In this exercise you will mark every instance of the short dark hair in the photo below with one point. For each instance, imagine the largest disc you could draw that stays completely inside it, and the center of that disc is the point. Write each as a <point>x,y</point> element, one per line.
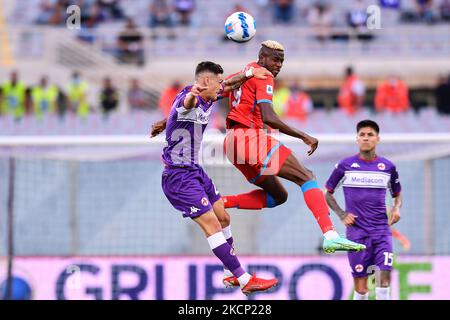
<point>368,123</point>
<point>208,66</point>
<point>349,70</point>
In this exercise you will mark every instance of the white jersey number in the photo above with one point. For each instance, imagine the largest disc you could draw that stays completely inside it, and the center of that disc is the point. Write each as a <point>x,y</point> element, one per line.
<point>237,97</point>
<point>388,258</point>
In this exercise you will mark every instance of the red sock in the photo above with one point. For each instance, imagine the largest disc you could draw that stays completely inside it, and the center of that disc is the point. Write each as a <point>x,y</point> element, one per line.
<point>253,200</point>
<point>316,202</point>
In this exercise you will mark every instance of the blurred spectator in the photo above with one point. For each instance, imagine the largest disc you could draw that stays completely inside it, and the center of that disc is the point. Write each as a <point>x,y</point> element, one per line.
<point>51,12</point>
<point>392,96</point>
<point>28,101</point>
<point>111,9</point>
<point>299,104</point>
<point>184,8</point>
<point>444,10</point>
<point>93,17</point>
<point>13,97</point>
<point>131,44</point>
<point>280,97</point>
<point>62,104</point>
<point>161,15</point>
<point>137,98</point>
<point>357,15</point>
<point>77,94</point>
<point>109,97</point>
<point>44,98</point>
<point>168,96</point>
<point>283,11</point>
<point>351,93</point>
<point>425,10</point>
<point>357,19</point>
<point>320,19</point>
<point>442,93</point>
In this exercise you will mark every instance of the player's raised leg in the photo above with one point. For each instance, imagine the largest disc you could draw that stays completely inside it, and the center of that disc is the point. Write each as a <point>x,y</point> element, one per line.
<point>294,171</point>
<point>271,194</point>
<point>210,225</point>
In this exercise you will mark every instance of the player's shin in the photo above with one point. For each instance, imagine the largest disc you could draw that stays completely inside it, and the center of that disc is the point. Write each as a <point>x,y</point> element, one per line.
<point>315,200</point>
<point>222,249</point>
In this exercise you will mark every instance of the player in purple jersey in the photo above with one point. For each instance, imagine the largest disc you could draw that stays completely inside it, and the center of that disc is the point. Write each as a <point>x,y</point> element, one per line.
<point>185,183</point>
<point>365,177</point>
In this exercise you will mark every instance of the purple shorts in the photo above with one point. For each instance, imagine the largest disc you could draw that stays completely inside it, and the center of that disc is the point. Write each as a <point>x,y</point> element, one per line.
<point>189,190</point>
<point>377,256</point>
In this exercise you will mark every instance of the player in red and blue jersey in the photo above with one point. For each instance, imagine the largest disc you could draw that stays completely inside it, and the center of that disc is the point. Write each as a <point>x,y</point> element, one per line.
<point>262,159</point>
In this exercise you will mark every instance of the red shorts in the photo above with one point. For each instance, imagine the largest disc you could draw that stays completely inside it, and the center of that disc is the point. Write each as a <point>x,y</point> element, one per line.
<point>255,153</point>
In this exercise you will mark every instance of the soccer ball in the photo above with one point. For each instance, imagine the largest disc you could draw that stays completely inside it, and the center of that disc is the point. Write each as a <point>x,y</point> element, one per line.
<point>240,27</point>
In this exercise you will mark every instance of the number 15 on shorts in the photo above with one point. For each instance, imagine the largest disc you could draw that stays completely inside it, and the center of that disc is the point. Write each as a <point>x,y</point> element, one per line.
<point>388,258</point>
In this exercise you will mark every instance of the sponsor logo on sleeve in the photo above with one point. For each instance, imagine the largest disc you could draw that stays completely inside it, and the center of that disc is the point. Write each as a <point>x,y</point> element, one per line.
<point>269,89</point>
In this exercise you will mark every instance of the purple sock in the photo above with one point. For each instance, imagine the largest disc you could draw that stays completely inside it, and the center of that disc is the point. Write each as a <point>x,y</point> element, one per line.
<point>225,253</point>
<point>230,241</point>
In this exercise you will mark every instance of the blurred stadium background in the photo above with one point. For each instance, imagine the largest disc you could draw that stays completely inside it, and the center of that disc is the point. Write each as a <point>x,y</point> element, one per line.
<point>82,214</point>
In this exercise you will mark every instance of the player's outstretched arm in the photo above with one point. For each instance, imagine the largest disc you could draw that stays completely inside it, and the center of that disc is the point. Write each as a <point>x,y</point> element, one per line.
<point>347,218</point>
<point>394,214</point>
<point>270,118</point>
<point>239,79</point>
<point>158,127</point>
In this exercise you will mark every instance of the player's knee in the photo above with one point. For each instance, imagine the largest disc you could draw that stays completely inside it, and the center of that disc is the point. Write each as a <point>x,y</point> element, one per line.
<point>281,198</point>
<point>385,280</point>
<point>277,199</point>
<point>309,175</point>
<point>362,291</point>
<point>304,176</point>
<point>225,219</point>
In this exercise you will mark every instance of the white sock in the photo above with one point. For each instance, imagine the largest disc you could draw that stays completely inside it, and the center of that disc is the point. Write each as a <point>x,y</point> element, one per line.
<point>382,293</point>
<point>244,279</point>
<point>358,296</point>
<point>215,240</point>
<point>226,272</point>
<point>227,232</point>
<point>330,235</point>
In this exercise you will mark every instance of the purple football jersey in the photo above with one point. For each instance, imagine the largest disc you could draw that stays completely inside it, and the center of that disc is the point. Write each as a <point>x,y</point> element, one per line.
<point>365,183</point>
<point>184,131</point>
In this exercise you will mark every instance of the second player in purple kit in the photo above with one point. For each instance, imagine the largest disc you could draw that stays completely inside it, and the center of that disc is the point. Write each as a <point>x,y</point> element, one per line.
<point>365,178</point>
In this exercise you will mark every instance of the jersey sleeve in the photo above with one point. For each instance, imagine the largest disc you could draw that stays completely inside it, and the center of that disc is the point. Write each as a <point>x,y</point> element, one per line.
<point>395,186</point>
<point>264,90</point>
<point>335,178</point>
